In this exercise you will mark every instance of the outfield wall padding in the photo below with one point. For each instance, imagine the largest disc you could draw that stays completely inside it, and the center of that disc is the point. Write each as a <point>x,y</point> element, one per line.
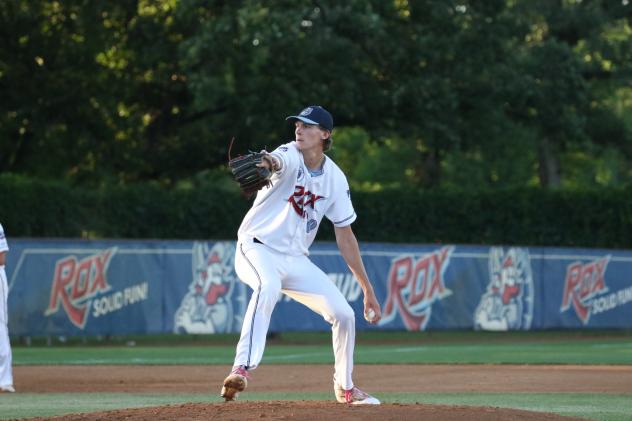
<point>112,287</point>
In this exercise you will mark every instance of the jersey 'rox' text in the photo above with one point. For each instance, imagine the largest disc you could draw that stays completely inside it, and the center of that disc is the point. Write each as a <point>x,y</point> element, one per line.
<point>301,198</point>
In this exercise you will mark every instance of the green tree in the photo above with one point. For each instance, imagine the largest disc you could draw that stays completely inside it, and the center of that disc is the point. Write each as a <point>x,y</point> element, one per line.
<point>460,93</point>
<point>90,91</point>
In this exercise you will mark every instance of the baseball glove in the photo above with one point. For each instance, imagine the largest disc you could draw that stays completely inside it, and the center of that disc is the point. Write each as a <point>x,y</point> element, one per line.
<point>247,172</point>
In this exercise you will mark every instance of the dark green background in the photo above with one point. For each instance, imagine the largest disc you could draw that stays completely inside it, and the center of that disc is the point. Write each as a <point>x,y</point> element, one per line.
<point>469,121</point>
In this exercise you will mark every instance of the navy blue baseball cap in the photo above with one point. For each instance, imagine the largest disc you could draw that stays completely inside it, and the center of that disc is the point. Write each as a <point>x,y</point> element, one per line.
<point>315,114</point>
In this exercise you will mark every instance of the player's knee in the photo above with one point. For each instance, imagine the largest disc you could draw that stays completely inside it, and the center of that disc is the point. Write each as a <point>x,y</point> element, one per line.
<point>345,315</point>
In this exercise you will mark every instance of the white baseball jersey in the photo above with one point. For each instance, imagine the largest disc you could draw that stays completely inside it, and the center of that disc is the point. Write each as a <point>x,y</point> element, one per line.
<point>3,241</point>
<point>296,203</point>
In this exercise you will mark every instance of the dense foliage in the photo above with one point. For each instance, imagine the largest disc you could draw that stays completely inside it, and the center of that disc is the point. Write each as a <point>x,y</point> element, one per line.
<point>477,121</point>
<point>458,93</point>
<point>513,216</point>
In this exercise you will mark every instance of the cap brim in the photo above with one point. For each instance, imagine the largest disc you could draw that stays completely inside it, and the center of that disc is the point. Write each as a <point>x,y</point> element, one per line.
<point>303,119</point>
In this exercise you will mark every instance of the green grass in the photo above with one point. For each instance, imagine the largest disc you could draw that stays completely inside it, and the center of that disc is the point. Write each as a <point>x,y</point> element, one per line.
<point>592,406</point>
<point>585,405</point>
<point>324,337</point>
<point>567,347</point>
<point>598,351</point>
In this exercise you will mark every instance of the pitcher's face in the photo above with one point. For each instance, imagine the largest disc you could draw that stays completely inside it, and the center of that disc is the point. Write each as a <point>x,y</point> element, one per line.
<point>309,136</point>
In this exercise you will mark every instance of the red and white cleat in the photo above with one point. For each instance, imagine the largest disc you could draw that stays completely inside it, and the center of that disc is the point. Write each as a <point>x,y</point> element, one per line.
<point>236,382</point>
<point>354,396</point>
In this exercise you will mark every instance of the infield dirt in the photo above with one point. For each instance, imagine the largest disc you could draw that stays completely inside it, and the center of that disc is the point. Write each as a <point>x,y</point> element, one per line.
<point>374,379</point>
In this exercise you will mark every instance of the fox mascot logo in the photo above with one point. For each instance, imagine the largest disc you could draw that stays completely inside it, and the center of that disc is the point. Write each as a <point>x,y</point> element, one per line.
<point>507,304</point>
<point>215,301</point>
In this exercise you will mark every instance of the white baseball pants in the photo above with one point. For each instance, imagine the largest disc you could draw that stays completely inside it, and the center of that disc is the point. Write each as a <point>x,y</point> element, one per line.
<point>6,376</point>
<point>270,273</point>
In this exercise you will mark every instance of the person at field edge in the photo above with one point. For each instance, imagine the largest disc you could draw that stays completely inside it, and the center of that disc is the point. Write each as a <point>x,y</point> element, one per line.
<point>272,249</point>
<point>6,375</point>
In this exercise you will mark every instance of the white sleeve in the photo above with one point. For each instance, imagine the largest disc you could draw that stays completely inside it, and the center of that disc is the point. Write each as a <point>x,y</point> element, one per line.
<point>288,155</point>
<point>4,246</point>
<point>341,212</point>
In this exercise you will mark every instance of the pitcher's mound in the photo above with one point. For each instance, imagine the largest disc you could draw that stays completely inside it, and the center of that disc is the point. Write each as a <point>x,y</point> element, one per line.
<point>315,410</point>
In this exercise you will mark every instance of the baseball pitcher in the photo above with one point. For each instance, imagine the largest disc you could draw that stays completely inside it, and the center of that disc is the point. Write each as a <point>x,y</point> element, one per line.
<point>296,185</point>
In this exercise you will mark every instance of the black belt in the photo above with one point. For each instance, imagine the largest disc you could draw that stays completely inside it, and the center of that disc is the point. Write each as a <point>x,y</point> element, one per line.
<point>256,240</point>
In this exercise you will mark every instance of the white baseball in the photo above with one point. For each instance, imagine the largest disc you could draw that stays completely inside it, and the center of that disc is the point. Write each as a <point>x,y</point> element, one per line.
<point>370,315</point>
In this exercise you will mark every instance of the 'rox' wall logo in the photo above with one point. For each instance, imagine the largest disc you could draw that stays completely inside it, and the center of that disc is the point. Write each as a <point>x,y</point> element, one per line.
<point>75,282</point>
<point>582,284</point>
<point>414,285</point>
